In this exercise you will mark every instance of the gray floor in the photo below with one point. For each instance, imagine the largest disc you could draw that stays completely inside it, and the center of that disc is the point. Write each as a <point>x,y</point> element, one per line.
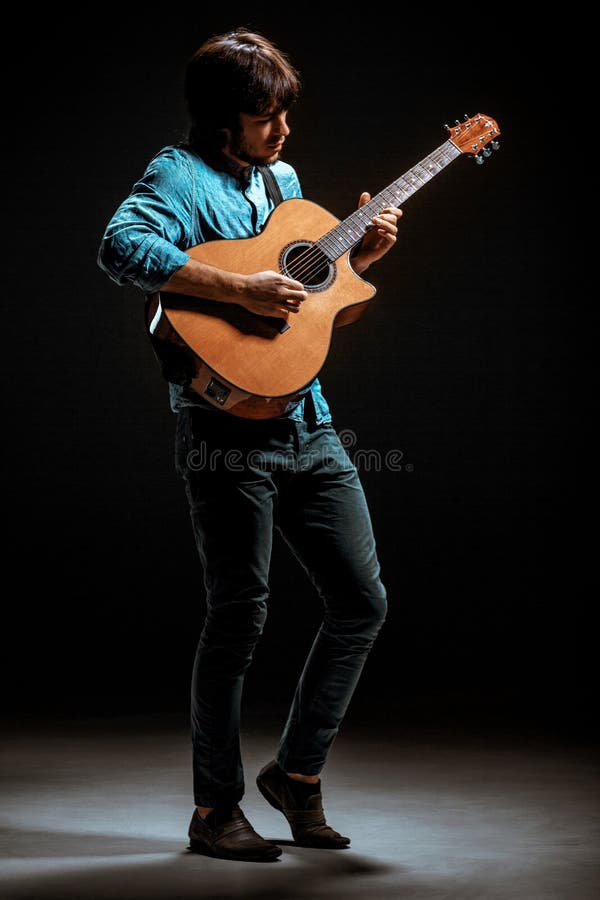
<point>100,809</point>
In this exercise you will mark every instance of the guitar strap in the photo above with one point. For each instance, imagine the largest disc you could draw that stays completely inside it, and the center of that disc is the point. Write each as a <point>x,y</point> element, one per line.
<point>271,184</point>
<point>177,363</point>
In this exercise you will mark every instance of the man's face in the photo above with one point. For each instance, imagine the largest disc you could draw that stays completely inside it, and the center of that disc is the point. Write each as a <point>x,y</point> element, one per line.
<point>259,139</point>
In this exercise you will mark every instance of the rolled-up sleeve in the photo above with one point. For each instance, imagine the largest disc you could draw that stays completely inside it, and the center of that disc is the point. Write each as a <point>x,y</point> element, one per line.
<point>144,242</point>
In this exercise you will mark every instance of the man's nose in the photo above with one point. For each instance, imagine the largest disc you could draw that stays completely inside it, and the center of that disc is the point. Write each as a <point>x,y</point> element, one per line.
<point>281,127</point>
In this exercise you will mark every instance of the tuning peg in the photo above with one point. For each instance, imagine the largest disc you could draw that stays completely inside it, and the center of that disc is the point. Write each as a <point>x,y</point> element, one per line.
<point>479,160</point>
<point>487,151</point>
<point>466,116</point>
<point>495,145</point>
<point>447,127</point>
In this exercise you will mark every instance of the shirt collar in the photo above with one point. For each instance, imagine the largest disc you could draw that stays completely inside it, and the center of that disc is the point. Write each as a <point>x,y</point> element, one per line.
<point>224,163</point>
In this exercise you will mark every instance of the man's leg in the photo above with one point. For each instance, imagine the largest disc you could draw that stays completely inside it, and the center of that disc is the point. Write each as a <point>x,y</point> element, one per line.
<point>324,518</point>
<point>326,521</point>
<point>232,515</point>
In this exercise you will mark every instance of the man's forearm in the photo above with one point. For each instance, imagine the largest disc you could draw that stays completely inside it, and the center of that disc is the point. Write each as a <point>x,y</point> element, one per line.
<point>197,279</point>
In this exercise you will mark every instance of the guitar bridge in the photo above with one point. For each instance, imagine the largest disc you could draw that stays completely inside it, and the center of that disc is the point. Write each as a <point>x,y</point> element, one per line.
<point>217,391</point>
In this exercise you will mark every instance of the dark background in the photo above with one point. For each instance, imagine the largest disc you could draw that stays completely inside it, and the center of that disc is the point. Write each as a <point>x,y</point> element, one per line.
<point>460,364</point>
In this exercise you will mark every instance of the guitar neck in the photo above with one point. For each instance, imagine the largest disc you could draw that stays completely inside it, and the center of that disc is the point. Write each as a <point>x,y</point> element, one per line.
<point>349,232</point>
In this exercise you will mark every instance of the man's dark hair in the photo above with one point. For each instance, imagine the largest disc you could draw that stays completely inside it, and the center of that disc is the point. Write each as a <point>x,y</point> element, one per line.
<point>237,72</point>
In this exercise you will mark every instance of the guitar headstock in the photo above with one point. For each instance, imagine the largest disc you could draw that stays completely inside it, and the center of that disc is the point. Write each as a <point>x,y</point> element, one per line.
<point>473,135</point>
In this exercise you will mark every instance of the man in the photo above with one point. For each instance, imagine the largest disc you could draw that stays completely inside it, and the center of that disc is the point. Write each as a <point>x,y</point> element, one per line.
<point>239,88</point>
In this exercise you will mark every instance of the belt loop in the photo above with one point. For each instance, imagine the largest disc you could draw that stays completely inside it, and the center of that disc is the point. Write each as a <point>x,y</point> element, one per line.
<point>310,412</point>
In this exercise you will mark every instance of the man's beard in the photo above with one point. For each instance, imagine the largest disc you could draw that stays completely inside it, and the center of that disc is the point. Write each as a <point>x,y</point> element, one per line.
<point>240,150</point>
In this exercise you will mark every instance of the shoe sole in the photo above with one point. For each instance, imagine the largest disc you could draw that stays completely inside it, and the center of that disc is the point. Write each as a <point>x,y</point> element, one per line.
<point>197,847</point>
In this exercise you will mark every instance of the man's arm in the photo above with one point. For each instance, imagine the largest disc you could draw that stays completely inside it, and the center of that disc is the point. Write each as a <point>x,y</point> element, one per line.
<point>265,293</point>
<point>140,246</point>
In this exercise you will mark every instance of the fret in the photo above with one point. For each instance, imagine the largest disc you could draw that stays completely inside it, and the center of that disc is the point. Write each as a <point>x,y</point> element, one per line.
<point>422,172</point>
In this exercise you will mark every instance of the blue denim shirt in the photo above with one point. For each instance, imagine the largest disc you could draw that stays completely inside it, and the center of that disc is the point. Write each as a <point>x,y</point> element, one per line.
<point>180,202</point>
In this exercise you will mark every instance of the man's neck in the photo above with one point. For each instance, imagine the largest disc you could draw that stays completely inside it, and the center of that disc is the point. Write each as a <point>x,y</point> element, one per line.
<point>240,168</point>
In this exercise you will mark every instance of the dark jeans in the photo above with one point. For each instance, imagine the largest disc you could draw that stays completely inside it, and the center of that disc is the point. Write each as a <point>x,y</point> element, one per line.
<point>242,479</point>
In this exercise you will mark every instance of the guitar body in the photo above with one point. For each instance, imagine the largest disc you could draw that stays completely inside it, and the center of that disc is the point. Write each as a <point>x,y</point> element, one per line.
<point>256,366</point>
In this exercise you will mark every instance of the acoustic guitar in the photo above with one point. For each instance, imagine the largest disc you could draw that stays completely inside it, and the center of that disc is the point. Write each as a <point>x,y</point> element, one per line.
<point>257,366</point>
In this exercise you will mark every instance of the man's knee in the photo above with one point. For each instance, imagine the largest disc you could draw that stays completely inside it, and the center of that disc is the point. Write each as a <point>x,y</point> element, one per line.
<point>237,620</point>
<point>359,611</point>
<point>377,605</point>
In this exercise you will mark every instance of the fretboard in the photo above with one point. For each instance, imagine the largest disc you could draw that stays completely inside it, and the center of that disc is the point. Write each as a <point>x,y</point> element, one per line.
<point>353,228</point>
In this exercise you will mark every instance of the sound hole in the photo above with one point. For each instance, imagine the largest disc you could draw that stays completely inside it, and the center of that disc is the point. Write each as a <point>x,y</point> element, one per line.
<point>304,262</point>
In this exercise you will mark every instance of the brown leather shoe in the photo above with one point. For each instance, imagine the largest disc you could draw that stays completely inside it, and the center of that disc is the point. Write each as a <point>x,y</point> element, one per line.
<point>309,826</point>
<point>227,834</point>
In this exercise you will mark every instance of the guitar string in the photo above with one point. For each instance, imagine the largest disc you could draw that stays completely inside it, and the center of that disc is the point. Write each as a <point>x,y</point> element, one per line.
<point>315,254</point>
<point>314,260</point>
<point>312,273</point>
